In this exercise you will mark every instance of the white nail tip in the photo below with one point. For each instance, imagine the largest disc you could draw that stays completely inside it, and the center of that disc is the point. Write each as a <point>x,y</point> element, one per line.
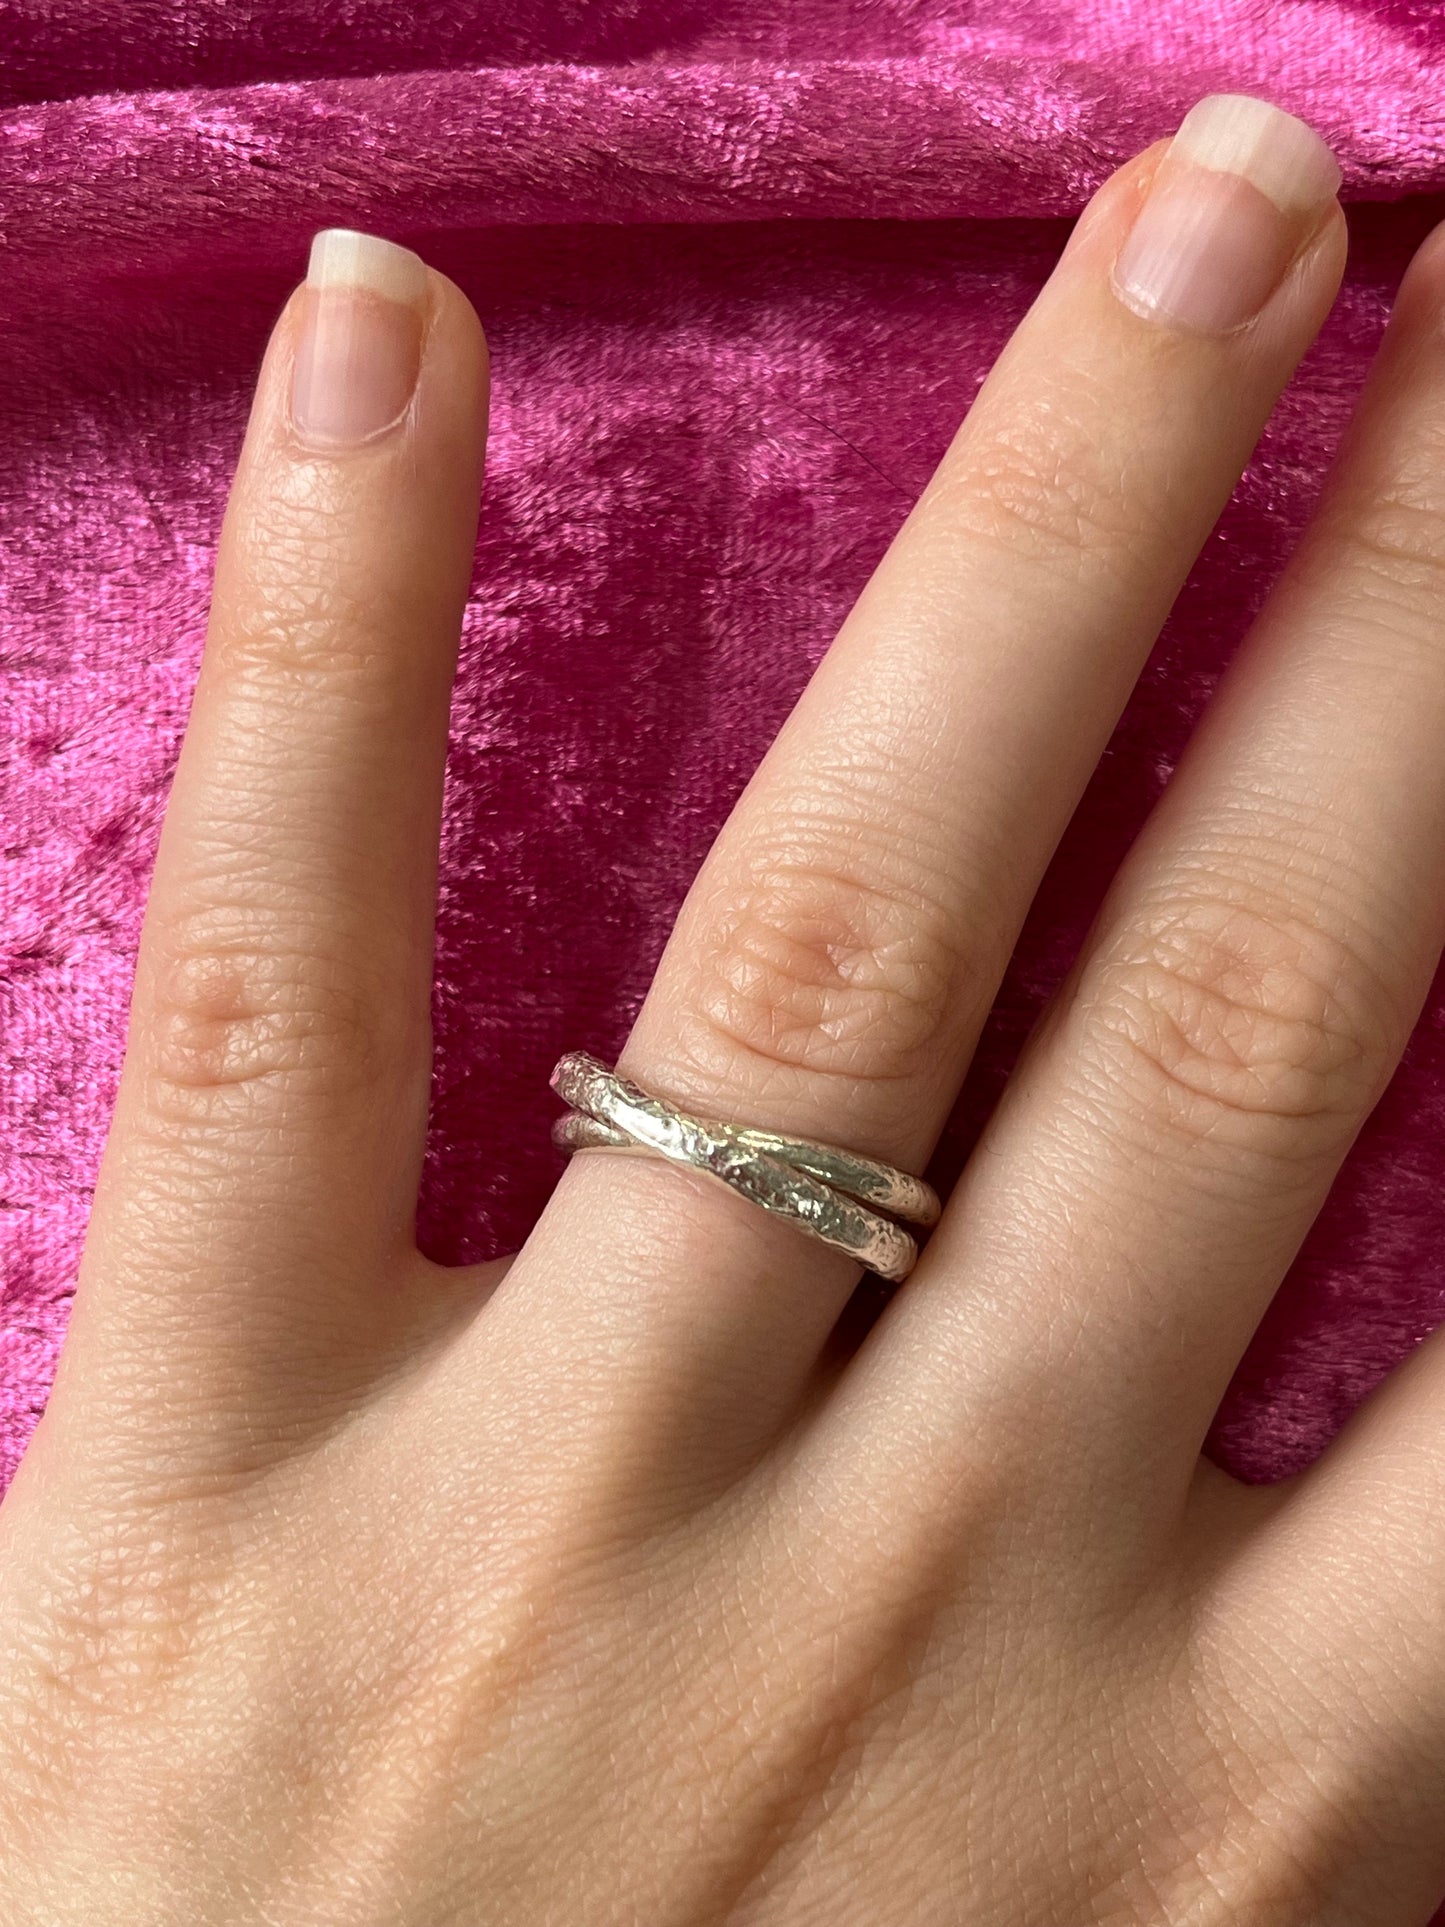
<point>345,258</point>
<point>1236,134</point>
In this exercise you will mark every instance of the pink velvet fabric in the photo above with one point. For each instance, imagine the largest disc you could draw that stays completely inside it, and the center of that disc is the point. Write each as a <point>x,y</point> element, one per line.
<point>743,266</point>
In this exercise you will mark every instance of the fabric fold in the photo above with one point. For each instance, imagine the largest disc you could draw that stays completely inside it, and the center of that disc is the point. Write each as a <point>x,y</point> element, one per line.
<point>246,169</point>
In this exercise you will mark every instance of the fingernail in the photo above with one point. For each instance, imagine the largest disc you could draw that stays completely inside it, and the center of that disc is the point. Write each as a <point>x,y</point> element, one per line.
<point>1238,191</point>
<point>358,351</point>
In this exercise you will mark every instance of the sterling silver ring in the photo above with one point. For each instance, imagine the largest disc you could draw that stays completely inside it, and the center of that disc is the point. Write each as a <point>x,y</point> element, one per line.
<point>833,1195</point>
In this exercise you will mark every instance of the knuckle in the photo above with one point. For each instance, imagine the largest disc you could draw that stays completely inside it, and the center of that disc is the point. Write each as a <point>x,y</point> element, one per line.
<point>115,1608</point>
<point>231,1027</point>
<point>1039,491</point>
<point>1396,541</point>
<point>300,633</point>
<point>819,970</point>
<point>1239,1023</point>
<point>314,604</point>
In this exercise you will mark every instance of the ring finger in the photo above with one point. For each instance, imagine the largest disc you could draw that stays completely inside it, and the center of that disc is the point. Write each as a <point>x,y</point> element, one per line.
<point>1253,979</point>
<point>842,945</point>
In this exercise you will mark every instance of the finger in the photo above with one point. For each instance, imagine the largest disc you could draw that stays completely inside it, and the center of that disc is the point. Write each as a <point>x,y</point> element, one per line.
<point>262,1167</point>
<point>837,955</point>
<point>1252,980</point>
<point>1328,1620</point>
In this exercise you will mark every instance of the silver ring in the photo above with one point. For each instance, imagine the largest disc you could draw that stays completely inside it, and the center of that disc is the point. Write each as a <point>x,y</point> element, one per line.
<point>833,1195</point>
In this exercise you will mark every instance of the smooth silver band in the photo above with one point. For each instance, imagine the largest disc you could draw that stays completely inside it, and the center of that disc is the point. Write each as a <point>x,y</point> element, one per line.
<point>831,1194</point>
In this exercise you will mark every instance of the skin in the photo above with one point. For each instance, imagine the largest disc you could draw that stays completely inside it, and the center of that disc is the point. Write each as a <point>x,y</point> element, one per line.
<point>608,1585</point>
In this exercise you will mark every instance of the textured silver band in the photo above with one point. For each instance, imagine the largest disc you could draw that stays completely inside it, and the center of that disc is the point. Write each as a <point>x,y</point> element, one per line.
<point>831,1194</point>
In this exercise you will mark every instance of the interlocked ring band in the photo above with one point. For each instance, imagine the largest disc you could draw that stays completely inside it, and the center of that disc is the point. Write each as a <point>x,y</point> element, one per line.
<point>833,1195</point>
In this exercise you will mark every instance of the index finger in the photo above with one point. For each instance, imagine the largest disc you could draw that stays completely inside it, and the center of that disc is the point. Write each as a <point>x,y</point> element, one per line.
<point>270,1124</point>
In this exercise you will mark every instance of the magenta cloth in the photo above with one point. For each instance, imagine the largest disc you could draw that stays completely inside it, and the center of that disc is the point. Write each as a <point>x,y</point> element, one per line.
<point>743,266</point>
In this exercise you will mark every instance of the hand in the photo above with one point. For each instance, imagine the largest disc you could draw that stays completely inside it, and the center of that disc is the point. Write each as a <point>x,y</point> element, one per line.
<point>606,1587</point>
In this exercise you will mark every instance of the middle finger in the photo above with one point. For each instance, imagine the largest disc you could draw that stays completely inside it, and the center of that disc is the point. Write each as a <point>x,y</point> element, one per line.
<point>835,959</point>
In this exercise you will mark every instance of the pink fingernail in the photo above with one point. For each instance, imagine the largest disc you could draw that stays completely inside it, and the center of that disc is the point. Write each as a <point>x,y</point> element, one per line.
<point>1239,189</point>
<point>358,351</point>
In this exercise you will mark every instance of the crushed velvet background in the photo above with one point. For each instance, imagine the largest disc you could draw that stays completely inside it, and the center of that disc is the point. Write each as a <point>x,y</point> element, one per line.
<point>743,264</point>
